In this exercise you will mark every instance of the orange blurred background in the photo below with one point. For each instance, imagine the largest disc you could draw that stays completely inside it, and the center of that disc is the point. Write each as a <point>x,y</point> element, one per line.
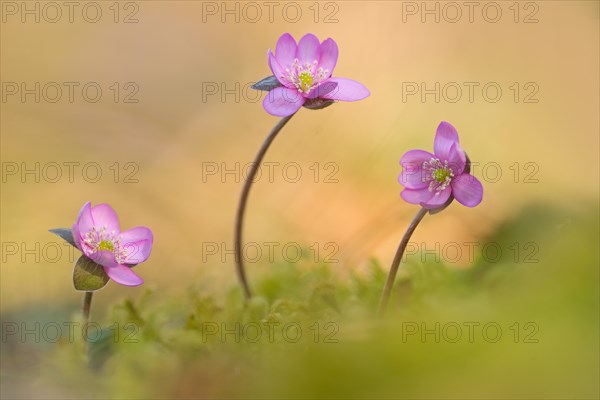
<point>187,67</point>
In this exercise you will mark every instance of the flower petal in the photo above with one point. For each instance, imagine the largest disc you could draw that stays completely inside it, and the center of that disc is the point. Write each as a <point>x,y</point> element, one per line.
<point>416,196</point>
<point>123,275</point>
<point>328,55</point>
<point>105,258</point>
<point>416,157</point>
<point>285,52</point>
<point>278,70</point>
<point>308,49</point>
<point>467,189</point>
<point>445,136</point>
<point>322,90</point>
<point>457,159</point>
<point>104,215</point>
<point>283,101</point>
<point>347,90</point>
<point>412,174</point>
<point>137,244</point>
<point>85,221</point>
<point>438,199</point>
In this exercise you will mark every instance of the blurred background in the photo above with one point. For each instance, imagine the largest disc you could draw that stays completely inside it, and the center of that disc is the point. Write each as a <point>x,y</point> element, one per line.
<point>146,105</point>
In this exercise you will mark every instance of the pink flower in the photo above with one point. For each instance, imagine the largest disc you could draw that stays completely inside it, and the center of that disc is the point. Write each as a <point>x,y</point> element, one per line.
<point>304,70</point>
<point>434,180</point>
<point>97,234</point>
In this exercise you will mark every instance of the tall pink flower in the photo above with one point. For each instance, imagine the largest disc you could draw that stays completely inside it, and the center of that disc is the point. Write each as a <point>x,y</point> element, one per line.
<point>434,180</point>
<point>97,234</point>
<point>304,72</point>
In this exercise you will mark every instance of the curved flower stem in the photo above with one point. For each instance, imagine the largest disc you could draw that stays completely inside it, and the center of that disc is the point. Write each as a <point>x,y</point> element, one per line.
<point>239,220</point>
<point>385,296</point>
<point>87,304</point>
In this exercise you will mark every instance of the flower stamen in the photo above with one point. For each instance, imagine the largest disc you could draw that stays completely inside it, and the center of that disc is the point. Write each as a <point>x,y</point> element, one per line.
<point>438,174</point>
<point>104,241</point>
<point>305,77</point>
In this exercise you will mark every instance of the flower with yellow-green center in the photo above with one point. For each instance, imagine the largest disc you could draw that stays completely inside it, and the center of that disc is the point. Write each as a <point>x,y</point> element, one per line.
<point>97,234</point>
<point>434,180</point>
<point>303,72</point>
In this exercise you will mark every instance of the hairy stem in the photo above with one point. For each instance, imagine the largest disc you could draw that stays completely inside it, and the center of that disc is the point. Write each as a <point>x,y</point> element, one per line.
<point>385,296</point>
<point>239,220</point>
<point>87,304</point>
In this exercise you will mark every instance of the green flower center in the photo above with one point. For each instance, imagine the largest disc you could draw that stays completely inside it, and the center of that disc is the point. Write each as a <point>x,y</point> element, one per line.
<point>438,174</point>
<point>441,174</point>
<point>101,240</point>
<point>305,77</point>
<point>106,245</point>
<point>306,80</point>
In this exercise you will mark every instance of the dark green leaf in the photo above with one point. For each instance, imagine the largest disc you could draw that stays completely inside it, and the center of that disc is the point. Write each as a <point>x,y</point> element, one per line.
<point>317,104</point>
<point>442,207</point>
<point>65,233</point>
<point>267,84</point>
<point>89,276</point>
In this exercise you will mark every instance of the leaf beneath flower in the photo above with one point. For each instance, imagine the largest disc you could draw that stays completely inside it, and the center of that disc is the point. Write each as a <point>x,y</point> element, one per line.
<point>318,103</point>
<point>89,276</point>
<point>267,84</point>
<point>65,233</point>
<point>467,169</point>
<point>442,207</point>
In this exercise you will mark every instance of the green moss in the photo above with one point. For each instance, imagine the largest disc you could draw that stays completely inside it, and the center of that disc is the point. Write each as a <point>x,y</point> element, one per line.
<point>309,333</point>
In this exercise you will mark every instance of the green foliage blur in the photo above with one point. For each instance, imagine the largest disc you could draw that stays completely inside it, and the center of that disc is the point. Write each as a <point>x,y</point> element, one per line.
<point>523,325</point>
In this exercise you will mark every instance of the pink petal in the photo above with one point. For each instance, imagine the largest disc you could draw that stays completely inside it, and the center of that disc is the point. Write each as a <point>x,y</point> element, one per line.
<point>347,90</point>
<point>467,190</point>
<point>412,174</point>
<point>137,243</point>
<point>308,49</point>
<point>416,196</point>
<point>416,157</point>
<point>457,159</point>
<point>283,101</point>
<point>85,221</point>
<point>322,90</point>
<point>104,215</point>
<point>445,137</point>
<point>278,70</point>
<point>123,275</point>
<point>105,258</point>
<point>328,55</point>
<point>438,199</point>
<point>285,52</point>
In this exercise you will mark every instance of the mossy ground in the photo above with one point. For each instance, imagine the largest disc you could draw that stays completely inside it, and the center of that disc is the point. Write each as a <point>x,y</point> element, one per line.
<point>511,328</point>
